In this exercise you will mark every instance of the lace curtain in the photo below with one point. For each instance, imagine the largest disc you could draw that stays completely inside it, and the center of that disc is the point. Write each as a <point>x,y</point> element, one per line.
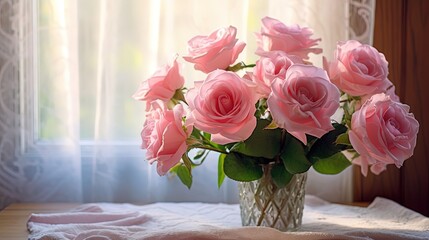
<point>69,130</point>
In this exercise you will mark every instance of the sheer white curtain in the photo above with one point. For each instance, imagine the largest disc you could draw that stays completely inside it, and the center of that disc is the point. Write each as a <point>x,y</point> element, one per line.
<point>69,130</point>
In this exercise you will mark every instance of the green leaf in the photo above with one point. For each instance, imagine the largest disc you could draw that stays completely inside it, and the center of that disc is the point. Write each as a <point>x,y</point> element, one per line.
<point>196,133</point>
<point>241,167</point>
<point>187,162</point>
<point>220,171</point>
<point>207,135</point>
<point>235,68</point>
<point>326,146</point>
<point>293,156</point>
<point>262,143</point>
<point>178,95</point>
<point>199,157</point>
<point>199,154</point>
<point>272,125</point>
<point>280,176</point>
<point>343,139</point>
<point>184,175</point>
<point>174,168</point>
<point>332,165</point>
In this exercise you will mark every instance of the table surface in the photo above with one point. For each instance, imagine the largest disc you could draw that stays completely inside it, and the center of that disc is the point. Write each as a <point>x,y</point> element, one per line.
<point>13,219</point>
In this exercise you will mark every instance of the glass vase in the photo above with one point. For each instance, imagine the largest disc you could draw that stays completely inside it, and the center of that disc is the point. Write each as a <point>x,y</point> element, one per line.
<point>262,203</point>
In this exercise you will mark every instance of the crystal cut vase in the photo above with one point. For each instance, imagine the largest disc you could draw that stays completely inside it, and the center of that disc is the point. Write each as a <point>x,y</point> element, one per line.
<point>262,203</point>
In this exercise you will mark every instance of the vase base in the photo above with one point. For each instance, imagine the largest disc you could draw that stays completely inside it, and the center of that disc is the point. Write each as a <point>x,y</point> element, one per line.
<point>262,203</point>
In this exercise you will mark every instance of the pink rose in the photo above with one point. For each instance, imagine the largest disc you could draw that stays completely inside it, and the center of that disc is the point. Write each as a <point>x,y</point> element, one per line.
<point>390,91</point>
<point>164,137</point>
<point>293,39</point>
<point>223,105</point>
<point>358,69</point>
<point>216,51</point>
<point>270,66</point>
<point>383,132</point>
<point>304,102</point>
<point>161,85</point>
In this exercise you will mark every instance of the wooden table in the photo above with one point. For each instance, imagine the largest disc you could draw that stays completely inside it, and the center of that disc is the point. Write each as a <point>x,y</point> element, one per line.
<point>13,219</point>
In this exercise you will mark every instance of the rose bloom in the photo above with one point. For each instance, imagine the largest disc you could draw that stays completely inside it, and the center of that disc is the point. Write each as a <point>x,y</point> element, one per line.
<point>304,102</point>
<point>383,132</point>
<point>270,66</point>
<point>293,39</point>
<point>161,85</point>
<point>164,137</point>
<point>358,69</point>
<point>390,91</point>
<point>224,106</point>
<point>216,51</point>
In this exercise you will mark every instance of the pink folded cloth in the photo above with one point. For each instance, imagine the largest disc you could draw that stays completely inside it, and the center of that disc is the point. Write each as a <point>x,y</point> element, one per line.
<point>383,219</point>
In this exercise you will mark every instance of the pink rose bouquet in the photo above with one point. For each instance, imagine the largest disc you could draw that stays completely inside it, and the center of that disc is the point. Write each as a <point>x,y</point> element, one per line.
<point>277,111</point>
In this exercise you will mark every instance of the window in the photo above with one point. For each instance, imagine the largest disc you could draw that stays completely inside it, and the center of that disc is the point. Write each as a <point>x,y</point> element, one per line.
<point>88,68</point>
<point>69,129</point>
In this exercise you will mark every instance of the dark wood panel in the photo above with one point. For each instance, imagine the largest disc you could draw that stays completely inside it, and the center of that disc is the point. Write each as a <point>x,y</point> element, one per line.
<point>401,33</point>
<point>388,39</point>
<point>415,174</point>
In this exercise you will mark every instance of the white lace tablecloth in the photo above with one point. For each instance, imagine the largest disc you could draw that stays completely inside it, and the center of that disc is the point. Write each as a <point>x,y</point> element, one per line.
<point>383,219</point>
